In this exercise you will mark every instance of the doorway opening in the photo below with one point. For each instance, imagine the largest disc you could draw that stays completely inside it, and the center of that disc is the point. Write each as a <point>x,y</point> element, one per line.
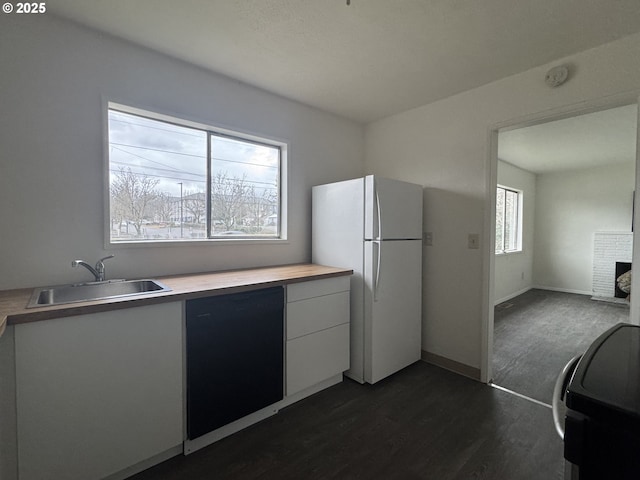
<point>576,181</point>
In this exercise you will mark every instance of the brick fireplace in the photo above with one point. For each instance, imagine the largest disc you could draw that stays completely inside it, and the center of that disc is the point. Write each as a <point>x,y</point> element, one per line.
<point>609,248</point>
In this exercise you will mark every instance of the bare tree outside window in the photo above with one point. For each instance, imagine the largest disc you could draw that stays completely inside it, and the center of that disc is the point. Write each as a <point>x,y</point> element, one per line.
<point>162,208</point>
<point>195,206</point>
<point>227,200</point>
<point>132,195</point>
<point>245,188</point>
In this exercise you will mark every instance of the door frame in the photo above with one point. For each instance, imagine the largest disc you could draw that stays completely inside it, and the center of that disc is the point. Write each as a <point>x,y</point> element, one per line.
<point>491,182</point>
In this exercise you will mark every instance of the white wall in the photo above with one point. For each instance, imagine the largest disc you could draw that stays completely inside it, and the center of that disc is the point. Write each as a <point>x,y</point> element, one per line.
<point>55,78</point>
<point>445,147</point>
<point>514,271</point>
<point>571,207</point>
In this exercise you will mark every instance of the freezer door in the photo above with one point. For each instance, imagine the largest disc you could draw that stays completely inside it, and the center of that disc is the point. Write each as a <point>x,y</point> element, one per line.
<point>393,306</point>
<point>393,209</point>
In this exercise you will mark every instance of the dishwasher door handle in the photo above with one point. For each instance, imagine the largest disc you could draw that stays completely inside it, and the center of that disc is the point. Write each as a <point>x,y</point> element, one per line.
<point>562,382</point>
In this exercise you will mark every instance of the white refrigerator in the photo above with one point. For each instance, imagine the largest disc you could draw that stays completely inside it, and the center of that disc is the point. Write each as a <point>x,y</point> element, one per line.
<point>373,225</point>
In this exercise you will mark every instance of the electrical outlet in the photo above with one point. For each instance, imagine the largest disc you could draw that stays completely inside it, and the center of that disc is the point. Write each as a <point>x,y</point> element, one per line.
<point>474,241</point>
<point>427,239</point>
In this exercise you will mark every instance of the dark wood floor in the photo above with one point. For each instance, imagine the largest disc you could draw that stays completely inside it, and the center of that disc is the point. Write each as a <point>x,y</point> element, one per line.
<point>422,423</point>
<point>538,332</point>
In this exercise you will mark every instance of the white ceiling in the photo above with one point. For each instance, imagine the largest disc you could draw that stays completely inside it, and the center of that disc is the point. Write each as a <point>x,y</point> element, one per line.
<point>602,138</point>
<point>368,60</point>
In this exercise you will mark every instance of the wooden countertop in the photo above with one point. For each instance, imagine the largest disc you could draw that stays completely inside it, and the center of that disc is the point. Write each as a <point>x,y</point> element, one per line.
<point>13,303</point>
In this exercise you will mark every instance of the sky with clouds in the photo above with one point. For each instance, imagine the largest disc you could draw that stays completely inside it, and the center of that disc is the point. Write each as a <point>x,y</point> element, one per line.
<point>175,155</point>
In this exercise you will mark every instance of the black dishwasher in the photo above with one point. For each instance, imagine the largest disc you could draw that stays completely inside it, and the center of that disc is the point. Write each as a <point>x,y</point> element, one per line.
<point>235,356</point>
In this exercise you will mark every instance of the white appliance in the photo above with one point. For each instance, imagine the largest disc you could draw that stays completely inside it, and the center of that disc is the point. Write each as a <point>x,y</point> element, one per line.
<point>373,225</point>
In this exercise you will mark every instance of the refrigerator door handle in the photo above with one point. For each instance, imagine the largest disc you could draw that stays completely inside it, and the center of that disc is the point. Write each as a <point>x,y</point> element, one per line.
<point>379,215</point>
<point>376,278</point>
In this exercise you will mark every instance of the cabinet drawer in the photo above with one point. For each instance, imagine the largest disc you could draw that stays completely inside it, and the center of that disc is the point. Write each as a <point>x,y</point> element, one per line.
<point>317,357</point>
<point>317,288</point>
<point>315,314</point>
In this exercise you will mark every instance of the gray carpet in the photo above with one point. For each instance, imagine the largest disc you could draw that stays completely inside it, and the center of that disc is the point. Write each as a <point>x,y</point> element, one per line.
<point>536,333</point>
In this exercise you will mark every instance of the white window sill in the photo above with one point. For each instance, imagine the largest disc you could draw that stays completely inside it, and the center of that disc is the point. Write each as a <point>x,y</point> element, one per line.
<point>511,252</point>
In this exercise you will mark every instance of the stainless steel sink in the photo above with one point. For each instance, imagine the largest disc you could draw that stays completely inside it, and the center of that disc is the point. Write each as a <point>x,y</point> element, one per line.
<point>94,291</point>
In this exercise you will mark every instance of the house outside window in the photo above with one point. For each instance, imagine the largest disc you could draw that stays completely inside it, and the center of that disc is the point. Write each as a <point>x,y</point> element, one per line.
<point>508,220</point>
<point>175,181</point>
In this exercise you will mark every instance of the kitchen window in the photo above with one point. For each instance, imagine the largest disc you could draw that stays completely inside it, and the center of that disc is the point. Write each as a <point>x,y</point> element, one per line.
<point>508,220</point>
<point>175,181</point>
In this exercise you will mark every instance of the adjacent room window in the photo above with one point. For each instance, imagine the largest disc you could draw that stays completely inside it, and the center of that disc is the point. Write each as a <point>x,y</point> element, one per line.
<point>508,220</point>
<point>172,180</point>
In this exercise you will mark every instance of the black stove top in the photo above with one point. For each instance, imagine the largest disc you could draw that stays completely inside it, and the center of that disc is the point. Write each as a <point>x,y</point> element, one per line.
<point>606,383</point>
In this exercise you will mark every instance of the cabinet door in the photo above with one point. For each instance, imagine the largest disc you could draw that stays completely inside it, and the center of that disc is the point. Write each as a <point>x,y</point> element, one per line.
<point>98,393</point>
<point>317,357</point>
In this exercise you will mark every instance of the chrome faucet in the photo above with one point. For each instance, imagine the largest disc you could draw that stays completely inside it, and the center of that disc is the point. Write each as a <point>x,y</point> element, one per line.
<point>98,271</point>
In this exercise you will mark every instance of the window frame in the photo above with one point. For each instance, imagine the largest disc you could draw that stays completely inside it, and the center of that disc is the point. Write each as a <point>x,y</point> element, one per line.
<point>210,130</point>
<point>519,223</point>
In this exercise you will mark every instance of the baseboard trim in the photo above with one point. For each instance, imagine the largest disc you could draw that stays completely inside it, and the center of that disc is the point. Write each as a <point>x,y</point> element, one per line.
<point>451,365</point>
<point>512,295</point>
<point>563,290</point>
<point>145,464</point>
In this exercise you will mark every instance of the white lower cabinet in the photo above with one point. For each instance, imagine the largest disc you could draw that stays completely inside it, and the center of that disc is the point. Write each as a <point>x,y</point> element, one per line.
<point>100,396</point>
<point>99,393</point>
<point>317,332</point>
